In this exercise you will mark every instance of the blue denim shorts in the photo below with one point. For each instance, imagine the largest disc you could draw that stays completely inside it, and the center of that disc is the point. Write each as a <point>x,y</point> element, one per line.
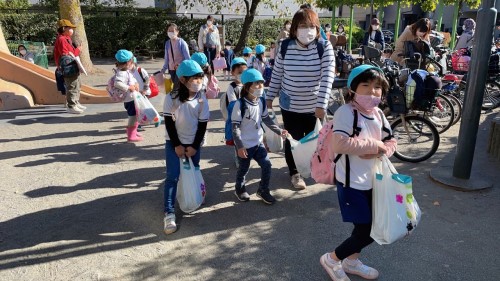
<point>130,107</point>
<point>355,205</point>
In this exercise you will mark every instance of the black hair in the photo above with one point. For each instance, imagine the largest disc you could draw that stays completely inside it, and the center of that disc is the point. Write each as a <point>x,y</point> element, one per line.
<point>234,66</point>
<point>60,30</point>
<point>260,57</point>
<point>368,75</point>
<point>228,43</point>
<point>121,65</point>
<point>21,45</point>
<point>183,92</point>
<point>207,70</point>
<point>245,90</point>
<point>305,6</point>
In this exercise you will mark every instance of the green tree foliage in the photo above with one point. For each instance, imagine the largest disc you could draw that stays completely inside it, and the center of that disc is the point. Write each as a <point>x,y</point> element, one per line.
<point>14,4</point>
<point>245,7</point>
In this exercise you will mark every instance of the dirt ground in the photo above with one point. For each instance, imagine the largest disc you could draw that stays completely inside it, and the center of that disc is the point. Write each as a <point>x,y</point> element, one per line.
<point>80,203</point>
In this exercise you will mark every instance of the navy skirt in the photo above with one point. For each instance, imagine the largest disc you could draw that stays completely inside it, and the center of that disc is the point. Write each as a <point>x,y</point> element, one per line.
<point>355,205</point>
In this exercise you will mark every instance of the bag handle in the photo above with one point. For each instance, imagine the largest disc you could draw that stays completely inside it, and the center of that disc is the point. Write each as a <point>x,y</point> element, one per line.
<point>387,162</point>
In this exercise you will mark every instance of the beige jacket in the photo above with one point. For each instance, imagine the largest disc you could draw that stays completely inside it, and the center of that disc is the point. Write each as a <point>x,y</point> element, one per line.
<point>400,44</point>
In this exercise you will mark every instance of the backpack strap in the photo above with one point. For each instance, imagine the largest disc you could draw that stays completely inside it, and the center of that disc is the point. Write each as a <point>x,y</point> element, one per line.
<point>355,132</point>
<point>235,87</point>
<point>284,47</point>
<point>140,74</point>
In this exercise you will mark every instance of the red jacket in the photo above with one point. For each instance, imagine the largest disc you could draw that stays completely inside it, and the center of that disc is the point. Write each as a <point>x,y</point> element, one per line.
<point>64,46</point>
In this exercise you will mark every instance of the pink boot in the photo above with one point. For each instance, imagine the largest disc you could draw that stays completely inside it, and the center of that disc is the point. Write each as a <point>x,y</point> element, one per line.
<point>132,134</point>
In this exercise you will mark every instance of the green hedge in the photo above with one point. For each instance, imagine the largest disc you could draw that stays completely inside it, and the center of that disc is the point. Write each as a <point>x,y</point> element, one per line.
<point>108,33</point>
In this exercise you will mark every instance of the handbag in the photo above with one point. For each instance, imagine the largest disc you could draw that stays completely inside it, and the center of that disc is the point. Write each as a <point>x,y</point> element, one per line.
<point>274,141</point>
<point>191,187</point>
<point>219,63</point>
<point>303,150</point>
<point>395,212</point>
<point>146,113</point>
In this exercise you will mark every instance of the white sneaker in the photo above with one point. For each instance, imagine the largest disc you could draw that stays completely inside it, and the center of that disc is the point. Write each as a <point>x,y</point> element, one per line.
<point>298,182</point>
<point>334,269</point>
<point>74,110</point>
<point>358,268</point>
<point>169,225</point>
<point>80,106</point>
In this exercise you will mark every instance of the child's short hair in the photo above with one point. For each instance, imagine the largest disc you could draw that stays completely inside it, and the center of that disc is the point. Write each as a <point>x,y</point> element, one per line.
<point>228,43</point>
<point>237,66</point>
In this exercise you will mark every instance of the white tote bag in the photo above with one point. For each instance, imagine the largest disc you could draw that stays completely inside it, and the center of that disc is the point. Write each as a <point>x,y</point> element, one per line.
<point>146,112</point>
<point>395,210</point>
<point>303,150</point>
<point>274,141</point>
<point>190,188</point>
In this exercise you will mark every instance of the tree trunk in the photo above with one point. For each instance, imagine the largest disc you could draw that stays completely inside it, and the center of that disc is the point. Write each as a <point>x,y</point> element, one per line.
<point>249,17</point>
<point>3,43</point>
<point>70,10</point>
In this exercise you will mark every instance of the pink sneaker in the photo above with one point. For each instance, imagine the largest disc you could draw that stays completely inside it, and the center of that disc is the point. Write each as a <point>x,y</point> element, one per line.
<point>334,269</point>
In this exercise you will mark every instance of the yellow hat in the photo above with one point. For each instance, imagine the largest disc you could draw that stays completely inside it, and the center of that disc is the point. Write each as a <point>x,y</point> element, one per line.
<point>64,23</point>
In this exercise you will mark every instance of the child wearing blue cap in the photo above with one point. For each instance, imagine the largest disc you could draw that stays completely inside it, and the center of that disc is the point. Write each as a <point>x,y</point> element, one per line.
<point>210,83</point>
<point>259,61</point>
<point>362,134</point>
<point>247,54</point>
<point>248,134</point>
<point>125,81</point>
<point>186,115</point>
<point>238,65</point>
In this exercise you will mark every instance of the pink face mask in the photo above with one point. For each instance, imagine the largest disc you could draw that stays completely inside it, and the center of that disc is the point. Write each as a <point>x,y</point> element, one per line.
<point>368,103</point>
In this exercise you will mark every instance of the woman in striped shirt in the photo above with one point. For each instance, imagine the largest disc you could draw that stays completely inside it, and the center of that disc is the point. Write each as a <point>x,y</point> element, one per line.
<point>302,77</point>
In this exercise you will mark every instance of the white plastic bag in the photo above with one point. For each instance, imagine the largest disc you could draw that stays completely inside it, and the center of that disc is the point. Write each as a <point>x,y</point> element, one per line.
<point>146,113</point>
<point>274,141</point>
<point>303,150</point>
<point>395,210</point>
<point>191,187</point>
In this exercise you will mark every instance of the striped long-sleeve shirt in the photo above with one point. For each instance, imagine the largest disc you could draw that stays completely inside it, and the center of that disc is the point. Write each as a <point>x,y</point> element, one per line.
<point>302,79</point>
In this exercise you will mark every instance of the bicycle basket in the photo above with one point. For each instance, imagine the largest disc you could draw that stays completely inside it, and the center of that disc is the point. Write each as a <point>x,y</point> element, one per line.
<point>422,90</point>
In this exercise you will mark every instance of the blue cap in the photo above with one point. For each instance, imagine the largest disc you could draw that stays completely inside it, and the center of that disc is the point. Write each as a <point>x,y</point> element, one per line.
<point>355,72</point>
<point>247,50</point>
<point>237,61</point>
<point>123,55</point>
<point>188,68</point>
<point>251,75</point>
<point>260,49</point>
<point>200,58</point>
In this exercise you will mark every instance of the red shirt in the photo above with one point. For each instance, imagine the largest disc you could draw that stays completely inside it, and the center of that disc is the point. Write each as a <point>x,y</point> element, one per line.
<point>64,46</point>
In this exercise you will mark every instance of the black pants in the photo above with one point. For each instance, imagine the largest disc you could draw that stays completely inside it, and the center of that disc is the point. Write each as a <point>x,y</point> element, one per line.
<point>210,53</point>
<point>298,125</point>
<point>359,239</point>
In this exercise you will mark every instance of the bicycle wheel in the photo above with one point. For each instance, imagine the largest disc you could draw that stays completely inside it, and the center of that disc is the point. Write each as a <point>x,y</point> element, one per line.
<point>457,108</point>
<point>417,138</point>
<point>491,97</point>
<point>441,114</point>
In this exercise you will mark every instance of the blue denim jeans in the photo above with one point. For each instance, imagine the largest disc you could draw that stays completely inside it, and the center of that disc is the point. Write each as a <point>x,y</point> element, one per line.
<point>173,172</point>
<point>259,154</point>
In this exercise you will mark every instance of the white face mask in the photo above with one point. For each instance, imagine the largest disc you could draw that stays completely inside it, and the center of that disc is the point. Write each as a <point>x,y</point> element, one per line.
<point>258,92</point>
<point>341,30</point>
<point>172,35</point>
<point>288,26</point>
<point>22,52</point>
<point>306,35</point>
<point>463,27</point>
<point>328,28</point>
<point>228,47</point>
<point>193,87</point>
<point>374,27</point>
<point>209,22</point>
<point>71,31</point>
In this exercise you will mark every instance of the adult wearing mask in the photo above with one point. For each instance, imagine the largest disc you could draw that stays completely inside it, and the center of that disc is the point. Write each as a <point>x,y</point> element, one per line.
<point>64,47</point>
<point>24,54</point>
<point>209,40</point>
<point>420,30</point>
<point>176,51</point>
<point>467,38</point>
<point>374,37</point>
<point>303,80</point>
<point>340,30</point>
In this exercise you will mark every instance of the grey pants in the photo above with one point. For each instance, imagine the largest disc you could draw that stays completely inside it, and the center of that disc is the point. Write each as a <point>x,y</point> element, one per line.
<point>72,90</point>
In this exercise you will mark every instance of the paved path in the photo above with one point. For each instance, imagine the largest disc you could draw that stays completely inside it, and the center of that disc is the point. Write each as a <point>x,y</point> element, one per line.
<point>79,203</point>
